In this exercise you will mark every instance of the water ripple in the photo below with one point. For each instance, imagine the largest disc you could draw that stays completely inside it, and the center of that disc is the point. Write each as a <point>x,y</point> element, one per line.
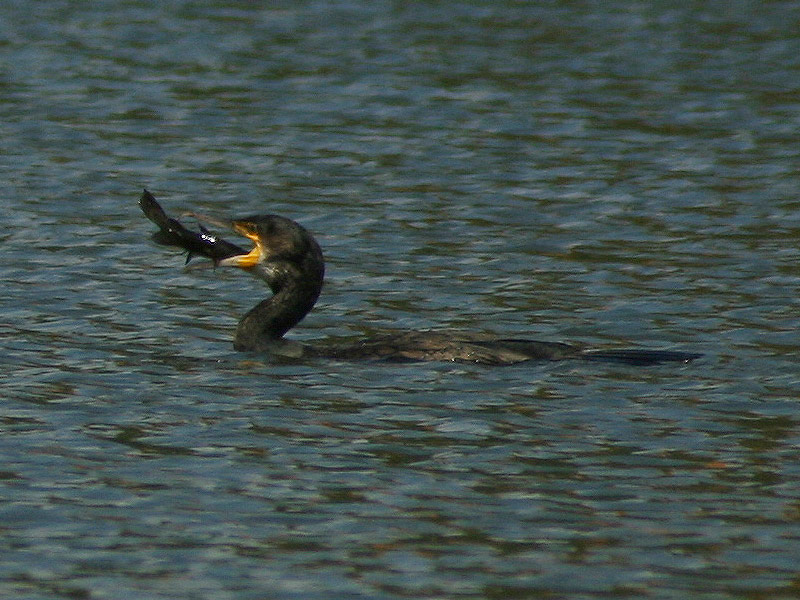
<point>606,174</point>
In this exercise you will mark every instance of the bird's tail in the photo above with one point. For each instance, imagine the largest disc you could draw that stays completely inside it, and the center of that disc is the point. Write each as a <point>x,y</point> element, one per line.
<point>640,357</point>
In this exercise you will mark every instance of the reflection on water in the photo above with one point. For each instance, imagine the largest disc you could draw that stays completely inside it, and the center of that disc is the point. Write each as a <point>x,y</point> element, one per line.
<point>607,174</point>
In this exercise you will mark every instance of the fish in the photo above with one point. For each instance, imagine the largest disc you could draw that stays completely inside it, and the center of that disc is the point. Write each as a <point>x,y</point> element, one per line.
<point>172,232</point>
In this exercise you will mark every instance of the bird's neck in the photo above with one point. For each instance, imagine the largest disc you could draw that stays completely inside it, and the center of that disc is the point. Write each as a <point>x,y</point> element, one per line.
<point>271,318</point>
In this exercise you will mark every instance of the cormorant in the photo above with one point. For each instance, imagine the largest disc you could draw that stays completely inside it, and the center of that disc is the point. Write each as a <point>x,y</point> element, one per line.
<point>287,257</point>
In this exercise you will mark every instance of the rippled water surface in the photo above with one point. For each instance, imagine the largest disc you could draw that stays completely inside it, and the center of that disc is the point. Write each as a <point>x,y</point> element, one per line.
<point>613,173</point>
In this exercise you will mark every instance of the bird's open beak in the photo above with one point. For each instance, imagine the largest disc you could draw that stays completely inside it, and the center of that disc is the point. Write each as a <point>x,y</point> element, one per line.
<point>243,261</point>
<point>252,258</point>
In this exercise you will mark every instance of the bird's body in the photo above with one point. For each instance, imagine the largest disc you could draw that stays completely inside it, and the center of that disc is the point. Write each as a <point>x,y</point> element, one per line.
<point>287,257</point>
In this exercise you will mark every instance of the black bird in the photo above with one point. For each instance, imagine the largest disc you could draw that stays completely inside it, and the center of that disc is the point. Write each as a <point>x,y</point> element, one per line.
<point>288,258</point>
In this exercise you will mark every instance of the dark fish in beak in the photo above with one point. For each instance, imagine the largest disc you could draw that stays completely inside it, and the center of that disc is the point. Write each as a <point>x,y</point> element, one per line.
<point>197,243</point>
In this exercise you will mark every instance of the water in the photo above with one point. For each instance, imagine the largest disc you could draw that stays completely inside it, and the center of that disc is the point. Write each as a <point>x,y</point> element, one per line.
<point>611,173</point>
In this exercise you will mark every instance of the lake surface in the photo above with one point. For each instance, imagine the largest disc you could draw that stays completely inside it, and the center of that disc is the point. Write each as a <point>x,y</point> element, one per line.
<point>619,174</point>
